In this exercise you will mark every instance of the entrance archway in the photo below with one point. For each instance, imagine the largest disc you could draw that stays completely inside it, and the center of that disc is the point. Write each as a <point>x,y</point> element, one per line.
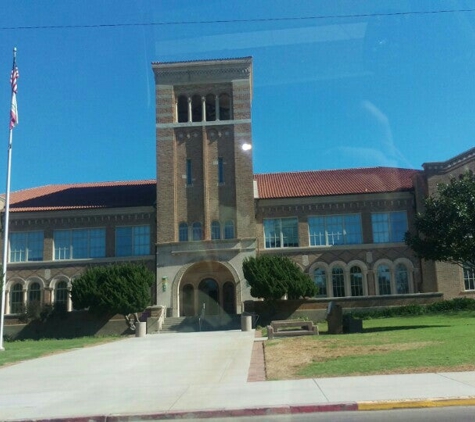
<point>210,283</point>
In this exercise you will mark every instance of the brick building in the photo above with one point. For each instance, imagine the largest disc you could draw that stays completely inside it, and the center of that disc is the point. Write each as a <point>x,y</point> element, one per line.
<point>207,211</point>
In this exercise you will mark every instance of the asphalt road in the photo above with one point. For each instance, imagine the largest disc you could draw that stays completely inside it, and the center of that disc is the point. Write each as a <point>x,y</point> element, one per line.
<point>439,414</point>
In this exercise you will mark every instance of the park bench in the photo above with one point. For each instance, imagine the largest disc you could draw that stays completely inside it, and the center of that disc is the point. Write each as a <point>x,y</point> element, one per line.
<point>295,327</point>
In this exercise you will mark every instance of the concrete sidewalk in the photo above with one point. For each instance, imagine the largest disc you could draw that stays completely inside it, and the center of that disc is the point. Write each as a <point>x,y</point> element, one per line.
<point>198,375</point>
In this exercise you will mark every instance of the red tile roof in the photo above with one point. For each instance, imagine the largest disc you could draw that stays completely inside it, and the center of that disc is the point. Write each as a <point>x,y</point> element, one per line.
<point>271,185</point>
<point>84,196</point>
<point>333,182</point>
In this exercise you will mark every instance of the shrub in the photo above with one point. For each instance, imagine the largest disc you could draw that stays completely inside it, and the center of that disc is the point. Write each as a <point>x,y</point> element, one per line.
<point>445,306</point>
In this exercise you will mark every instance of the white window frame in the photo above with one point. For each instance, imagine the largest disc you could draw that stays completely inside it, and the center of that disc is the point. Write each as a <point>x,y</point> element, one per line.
<point>27,252</point>
<point>139,240</point>
<point>326,237</point>
<point>383,228</point>
<point>275,233</point>
<point>67,252</point>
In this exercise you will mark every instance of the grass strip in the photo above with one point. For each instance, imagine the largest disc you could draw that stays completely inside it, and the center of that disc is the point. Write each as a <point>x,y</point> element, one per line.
<point>16,351</point>
<point>427,343</point>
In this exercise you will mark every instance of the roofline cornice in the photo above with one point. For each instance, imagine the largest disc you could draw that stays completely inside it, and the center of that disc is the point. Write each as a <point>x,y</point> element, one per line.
<point>181,73</point>
<point>446,166</point>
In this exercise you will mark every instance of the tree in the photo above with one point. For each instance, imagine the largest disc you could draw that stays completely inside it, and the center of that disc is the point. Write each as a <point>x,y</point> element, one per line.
<point>446,229</point>
<point>271,277</point>
<point>114,289</point>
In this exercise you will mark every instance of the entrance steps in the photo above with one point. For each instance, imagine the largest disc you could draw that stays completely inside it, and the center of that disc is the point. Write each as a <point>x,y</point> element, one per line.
<point>208,323</point>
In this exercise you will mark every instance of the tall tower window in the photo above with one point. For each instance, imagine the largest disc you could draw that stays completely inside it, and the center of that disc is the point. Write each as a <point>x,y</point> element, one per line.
<point>220,170</point>
<point>224,107</point>
<point>210,108</point>
<point>189,176</point>
<point>196,109</point>
<point>182,109</point>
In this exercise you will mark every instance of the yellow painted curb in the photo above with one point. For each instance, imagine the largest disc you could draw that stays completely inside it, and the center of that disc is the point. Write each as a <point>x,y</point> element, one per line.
<point>407,404</point>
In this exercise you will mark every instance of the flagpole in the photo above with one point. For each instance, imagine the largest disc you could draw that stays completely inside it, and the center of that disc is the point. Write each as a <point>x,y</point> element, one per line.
<point>7,211</point>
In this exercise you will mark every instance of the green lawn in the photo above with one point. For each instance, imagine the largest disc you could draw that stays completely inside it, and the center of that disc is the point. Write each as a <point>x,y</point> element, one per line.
<point>393,345</point>
<point>16,351</point>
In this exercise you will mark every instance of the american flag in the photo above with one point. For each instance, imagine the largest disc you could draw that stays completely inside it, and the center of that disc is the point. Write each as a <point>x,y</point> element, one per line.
<point>14,110</point>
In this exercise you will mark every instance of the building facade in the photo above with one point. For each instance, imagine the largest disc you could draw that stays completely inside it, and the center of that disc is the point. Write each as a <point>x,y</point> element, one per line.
<point>207,211</point>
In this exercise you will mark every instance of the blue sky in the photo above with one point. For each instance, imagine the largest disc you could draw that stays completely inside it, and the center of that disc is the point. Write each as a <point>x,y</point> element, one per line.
<point>337,84</point>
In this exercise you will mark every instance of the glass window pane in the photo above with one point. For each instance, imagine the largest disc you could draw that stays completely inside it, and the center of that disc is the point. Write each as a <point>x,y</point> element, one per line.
<point>353,235</point>
<point>338,282</point>
<point>97,243</point>
<point>35,246</point>
<point>402,279</point>
<point>356,281</point>
<point>215,230</point>
<point>320,279</point>
<point>380,223</point>
<point>197,231</point>
<point>316,229</point>
<point>334,230</point>
<point>272,233</point>
<point>123,241</point>
<point>183,232</point>
<point>229,229</point>
<point>62,244</point>
<point>79,244</point>
<point>384,280</point>
<point>398,226</point>
<point>141,240</point>
<point>61,292</point>
<point>18,245</point>
<point>34,293</point>
<point>26,246</point>
<point>16,302</point>
<point>290,236</point>
<point>469,278</point>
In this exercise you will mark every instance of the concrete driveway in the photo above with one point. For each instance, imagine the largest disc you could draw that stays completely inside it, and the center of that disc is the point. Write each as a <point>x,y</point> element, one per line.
<point>134,375</point>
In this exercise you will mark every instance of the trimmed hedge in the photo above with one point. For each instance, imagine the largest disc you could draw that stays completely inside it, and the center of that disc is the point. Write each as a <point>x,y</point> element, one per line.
<point>445,306</point>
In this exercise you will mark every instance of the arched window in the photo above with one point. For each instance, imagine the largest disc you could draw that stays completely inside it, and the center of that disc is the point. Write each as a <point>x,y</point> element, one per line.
<point>402,279</point>
<point>229,229</point>
<point>210,108</point>
<point>215,230</point>
<point>384,280</point>
<point>61,293</point>
<point>197,231</point>
<point>182,109</point>
<point>338,281</point>
<point>224,107</point>
<point>356,281</point>
<point>469,278</point>
<point>16,299</point>
<point>196,109</point>
<point>34,293</point>
<point>183,232</point>
<point>320,279</point>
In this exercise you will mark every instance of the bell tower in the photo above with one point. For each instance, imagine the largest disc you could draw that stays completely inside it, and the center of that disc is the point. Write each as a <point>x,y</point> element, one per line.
<point>205,201</point>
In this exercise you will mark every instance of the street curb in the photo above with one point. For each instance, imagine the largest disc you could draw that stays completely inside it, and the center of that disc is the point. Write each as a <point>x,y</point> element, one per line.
<point>208,414</point>
<point>267,410</point>
<point>411,404</point>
